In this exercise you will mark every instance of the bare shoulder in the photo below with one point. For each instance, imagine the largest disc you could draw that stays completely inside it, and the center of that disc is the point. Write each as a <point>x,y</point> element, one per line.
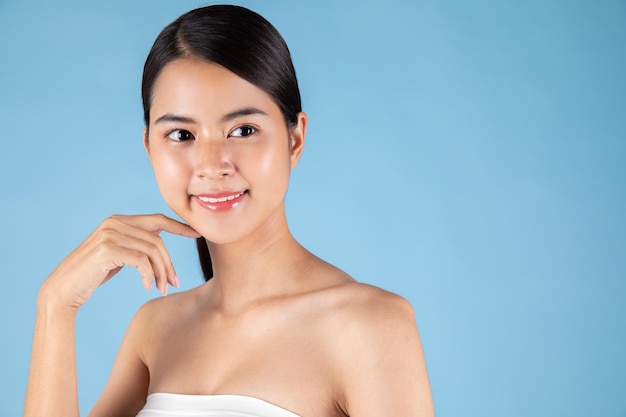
<point>156,316</point>
<point>360,315</point>
<point>164,305</point>
<point>369,307</point>
<point>357,302</point>
<point>377,354</point>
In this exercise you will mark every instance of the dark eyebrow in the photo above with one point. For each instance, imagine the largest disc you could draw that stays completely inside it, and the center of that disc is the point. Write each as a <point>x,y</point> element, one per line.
<point>174,118</point>
<point>246,111</point>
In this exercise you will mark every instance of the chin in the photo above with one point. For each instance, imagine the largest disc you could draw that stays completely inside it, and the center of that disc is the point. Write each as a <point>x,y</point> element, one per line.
<point>219,235</point>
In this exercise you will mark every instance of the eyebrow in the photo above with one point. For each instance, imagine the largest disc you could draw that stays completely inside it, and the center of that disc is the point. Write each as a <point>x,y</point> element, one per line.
<point>173,118</point>
<point>246,111</point>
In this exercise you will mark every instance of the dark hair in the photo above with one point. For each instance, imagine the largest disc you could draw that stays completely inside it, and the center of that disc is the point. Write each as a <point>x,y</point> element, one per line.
<point>241,41</point>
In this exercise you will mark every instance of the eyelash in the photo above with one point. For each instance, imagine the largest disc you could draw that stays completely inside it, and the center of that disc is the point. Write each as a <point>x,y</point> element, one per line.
<point>171,132</point>
<point>251,130</point>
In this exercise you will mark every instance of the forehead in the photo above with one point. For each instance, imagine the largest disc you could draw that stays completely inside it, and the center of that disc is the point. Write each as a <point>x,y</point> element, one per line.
<point>196,87</point>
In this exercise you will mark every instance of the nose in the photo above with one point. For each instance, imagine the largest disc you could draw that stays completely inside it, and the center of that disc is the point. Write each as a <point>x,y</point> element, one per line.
<point>213,159</point>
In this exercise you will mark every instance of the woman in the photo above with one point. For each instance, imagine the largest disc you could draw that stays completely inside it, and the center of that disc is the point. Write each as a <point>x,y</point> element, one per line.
<point>275,331</point>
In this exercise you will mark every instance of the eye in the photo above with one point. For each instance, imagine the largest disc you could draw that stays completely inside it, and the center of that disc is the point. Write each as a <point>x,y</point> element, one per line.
<point>243,131</point>
<point>180,135</point>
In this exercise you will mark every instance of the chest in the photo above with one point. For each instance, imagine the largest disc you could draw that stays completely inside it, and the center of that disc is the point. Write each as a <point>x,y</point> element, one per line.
<point>281,358</point>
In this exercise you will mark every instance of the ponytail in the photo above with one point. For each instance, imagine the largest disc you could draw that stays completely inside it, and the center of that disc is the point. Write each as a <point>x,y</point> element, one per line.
<point>205,258</point>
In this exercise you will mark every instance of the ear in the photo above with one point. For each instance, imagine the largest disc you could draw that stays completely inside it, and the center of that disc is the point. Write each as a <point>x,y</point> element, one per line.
<point>297,136</point>
<point>146,142</point>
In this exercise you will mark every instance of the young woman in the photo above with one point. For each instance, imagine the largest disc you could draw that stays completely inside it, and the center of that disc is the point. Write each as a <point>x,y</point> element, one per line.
<point>275,331</point>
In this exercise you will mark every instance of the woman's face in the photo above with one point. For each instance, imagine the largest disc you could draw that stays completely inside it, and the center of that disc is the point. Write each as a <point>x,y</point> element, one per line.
<point>220,149</point>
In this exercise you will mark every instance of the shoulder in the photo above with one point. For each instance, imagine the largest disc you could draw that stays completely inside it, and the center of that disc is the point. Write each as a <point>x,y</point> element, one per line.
<point>178,303</point>
<point>350,299</point>
<point>156,317</point>
<point>370,308</point>
<point>374,323</point>
<point>164,306</point>
<point>377,354</point>
<point>358,315</point>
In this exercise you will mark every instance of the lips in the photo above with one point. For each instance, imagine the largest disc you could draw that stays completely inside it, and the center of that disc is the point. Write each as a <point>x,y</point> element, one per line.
<point>231,197</point>
<point>220,201</point>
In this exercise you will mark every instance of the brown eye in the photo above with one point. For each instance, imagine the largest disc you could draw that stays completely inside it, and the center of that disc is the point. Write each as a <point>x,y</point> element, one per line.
<point>243,131</point>
<point>180,135</point>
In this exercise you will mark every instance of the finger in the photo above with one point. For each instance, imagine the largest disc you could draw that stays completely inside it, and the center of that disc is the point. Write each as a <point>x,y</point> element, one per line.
<point>155,223</point>
<point>118,225</point>
<point>150,245</point>
<point>157,263</point>
<point>120,256</point>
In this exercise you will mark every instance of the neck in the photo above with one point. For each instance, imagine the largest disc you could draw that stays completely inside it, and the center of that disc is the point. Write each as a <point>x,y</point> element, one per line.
<point>268,263</point>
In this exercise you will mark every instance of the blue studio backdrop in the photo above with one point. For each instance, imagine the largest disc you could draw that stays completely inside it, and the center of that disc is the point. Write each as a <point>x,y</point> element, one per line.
<point>469,155</point>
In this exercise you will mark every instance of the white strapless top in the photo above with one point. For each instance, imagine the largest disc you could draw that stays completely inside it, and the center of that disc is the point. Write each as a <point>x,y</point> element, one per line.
<point>182,405</point>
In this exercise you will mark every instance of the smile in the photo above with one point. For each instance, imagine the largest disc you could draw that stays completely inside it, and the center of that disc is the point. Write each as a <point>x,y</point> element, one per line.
<point>220,199</point>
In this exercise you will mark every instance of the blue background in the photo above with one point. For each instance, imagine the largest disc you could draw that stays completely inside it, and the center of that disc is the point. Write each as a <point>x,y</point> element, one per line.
<point>469,155</point>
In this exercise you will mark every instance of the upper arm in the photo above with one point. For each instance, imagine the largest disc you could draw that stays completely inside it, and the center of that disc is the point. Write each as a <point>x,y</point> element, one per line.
<point>382,367</point>
<point>126,390</point>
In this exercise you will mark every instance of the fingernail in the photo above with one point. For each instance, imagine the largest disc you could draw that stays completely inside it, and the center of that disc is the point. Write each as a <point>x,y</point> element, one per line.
<point>177,281</point>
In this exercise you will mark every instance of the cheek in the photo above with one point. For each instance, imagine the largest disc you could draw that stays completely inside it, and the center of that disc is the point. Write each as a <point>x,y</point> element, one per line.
<point>272,163</point>
<point>170,173</point>
<point>275,166</point>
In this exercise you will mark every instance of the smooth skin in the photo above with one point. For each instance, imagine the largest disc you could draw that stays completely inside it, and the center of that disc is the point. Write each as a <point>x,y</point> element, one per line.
<point>275,322</point>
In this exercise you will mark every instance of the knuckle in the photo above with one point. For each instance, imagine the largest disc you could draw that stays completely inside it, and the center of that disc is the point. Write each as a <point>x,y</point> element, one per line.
<point>157,240</point>
<point>111,221</point>
<point>107,244</point>
<point>107,234</point>
<point>162,220</point>
<point>106,247</point>
<point>141,258</point>
<point>153,249</point>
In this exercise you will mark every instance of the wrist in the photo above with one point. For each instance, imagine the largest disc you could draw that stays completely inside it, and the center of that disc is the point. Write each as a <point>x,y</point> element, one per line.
<point>50,301</point>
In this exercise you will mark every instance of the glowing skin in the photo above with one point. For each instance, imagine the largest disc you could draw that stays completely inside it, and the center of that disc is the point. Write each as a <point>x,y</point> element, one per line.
<point>213,136</point>
<point>275,322</point>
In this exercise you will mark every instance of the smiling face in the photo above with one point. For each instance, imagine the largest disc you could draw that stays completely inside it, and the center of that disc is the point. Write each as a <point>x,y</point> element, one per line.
<point>220,150</point>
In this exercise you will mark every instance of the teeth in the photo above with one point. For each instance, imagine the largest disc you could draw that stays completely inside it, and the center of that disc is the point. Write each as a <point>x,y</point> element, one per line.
<point>219,200</point>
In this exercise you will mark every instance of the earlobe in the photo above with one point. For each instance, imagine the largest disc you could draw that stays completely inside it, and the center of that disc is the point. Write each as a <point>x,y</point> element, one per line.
<point>297,137</point>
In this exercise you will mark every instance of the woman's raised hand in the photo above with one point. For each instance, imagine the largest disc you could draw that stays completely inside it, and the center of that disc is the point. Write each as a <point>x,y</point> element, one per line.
<point>118,241</point>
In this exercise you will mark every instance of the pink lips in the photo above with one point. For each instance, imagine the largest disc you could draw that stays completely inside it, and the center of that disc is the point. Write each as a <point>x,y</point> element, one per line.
<point>221,201</point>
